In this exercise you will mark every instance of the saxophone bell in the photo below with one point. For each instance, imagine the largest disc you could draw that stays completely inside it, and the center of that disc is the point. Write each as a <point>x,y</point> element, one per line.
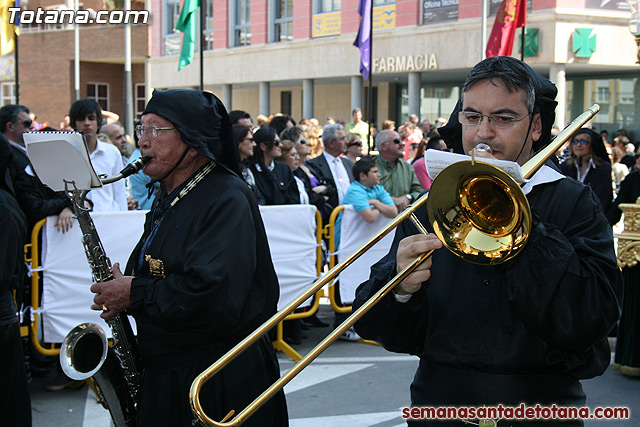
<point>83,351</point>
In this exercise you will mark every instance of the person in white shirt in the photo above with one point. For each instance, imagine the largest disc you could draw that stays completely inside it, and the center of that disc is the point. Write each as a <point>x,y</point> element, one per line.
<point>86,117</point>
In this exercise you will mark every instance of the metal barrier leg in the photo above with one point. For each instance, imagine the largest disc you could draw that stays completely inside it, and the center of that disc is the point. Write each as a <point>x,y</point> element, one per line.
<point>280,345</point>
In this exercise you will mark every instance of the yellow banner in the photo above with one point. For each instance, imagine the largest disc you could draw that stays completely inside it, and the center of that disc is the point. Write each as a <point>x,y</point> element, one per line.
<point>326,24</point>
<point>384,17</point>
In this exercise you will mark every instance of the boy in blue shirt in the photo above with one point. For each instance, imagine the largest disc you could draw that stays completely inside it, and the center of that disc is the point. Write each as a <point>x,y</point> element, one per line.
<point>367,196</point>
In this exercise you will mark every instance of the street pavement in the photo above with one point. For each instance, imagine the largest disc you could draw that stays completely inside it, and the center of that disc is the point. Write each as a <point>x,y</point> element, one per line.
<point>351,384</point>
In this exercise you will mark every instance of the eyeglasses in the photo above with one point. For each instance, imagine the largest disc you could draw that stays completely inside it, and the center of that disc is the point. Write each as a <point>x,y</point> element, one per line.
<point>580,141</point>
<point>26,123</point>
<point>500,121</point>
<point>151,131</point>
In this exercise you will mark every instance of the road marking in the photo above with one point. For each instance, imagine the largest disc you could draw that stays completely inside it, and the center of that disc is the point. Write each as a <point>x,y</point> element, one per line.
<point>317,374</point>
<point>94,414</point>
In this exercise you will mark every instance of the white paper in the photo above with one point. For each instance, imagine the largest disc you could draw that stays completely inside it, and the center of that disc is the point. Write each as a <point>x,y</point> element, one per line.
<point>60,156</point>
<point>437,160</point>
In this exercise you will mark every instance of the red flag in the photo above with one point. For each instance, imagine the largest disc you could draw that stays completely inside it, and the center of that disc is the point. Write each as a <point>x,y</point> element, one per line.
<point>511,15</point>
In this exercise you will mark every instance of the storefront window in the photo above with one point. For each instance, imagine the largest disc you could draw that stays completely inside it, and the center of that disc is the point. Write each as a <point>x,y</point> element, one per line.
<point>435,101</point>
<point>616,99</point>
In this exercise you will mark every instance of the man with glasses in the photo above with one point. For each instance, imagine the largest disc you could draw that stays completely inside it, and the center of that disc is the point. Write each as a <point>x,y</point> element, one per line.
<point>524,331</point>
<point>331,168</point>
<point>397,176</point>
<point>36,200</point>
<point>201,277</point>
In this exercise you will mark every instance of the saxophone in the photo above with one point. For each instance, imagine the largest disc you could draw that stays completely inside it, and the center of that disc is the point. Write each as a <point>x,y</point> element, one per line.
<point>116,367</point>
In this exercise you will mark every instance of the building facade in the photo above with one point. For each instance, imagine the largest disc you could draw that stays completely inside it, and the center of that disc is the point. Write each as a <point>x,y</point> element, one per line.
<point>297,56</point>
<point>46,63</point>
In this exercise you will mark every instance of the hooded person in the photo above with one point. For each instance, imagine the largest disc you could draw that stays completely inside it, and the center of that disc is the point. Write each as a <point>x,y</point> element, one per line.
<point>201,277</point>
<point>589,163</point>
<point>521,331</point>
<point>15,406</point>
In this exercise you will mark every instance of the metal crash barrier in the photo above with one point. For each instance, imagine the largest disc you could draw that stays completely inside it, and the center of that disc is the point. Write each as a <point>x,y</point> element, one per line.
<point>354,232</point>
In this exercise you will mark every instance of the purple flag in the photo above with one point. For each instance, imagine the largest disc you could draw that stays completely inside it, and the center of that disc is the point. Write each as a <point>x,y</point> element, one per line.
<point>363,39</point>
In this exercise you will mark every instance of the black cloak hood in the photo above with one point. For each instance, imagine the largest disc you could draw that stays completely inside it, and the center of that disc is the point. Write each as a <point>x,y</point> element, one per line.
<point>202,121</point>
<point>545,104</point>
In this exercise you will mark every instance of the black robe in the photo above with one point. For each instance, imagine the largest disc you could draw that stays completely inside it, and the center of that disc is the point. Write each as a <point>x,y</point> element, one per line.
<point>276,187</point>
<point>15,403</point>
<point>220,285</point>
<point>599,179</point>
<point>523,331</point>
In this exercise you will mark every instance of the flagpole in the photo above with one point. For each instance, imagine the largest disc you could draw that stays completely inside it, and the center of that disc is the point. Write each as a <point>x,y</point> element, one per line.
<point>370,95</point>
<point>17,75</point>
<point>202,24</point>
<point>522,44</point>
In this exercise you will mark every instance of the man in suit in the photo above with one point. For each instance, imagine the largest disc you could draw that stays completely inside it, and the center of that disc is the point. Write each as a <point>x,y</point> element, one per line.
<point>332,169</point>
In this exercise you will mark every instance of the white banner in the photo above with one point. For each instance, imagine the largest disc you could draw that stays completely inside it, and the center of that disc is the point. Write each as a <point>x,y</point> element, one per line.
<point>66,298</point>
<point>355,232</point>
<point>291,231</point>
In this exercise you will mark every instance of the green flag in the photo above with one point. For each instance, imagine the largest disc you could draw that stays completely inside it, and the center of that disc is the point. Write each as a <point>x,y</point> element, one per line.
<point>187,24</point>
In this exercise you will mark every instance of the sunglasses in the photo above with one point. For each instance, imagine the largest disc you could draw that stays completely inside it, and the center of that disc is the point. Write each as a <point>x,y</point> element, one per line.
<point>27,123</point>
<point>397,141</point>
<point>580,141</point>
<point>358,143</point>
<point>277,143</point>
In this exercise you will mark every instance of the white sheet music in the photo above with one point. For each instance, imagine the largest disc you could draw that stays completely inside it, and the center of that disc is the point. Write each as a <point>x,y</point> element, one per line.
<point>437,160</point>
<point>60,156</point>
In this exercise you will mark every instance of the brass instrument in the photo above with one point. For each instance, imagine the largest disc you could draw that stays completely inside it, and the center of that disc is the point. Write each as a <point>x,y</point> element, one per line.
<point>487,215</point>
<point>85,352</point>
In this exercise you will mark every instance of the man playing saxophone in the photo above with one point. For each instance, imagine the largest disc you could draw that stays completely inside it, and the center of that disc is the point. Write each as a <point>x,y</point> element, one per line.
<point>524,331</point>
<point>201,277</point>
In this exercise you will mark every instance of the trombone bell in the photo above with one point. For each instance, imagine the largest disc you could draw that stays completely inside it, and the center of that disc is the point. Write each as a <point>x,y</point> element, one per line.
<point>479,212</point>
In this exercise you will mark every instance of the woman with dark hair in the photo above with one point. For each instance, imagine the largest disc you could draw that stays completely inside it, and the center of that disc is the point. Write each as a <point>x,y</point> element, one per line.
<point>244,143</point>
<point>274,180</point>
<point>589,163</point>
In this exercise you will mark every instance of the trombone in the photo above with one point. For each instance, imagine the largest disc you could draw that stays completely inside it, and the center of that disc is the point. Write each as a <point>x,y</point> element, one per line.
<point>487,220</point>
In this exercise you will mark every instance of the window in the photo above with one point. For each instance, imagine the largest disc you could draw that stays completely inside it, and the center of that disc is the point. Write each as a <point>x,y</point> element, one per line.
<point>100,93</point>
<point>242,23</point>
<point>8,93</point>
<point>208,26</point>
<point>325,6</point>
<point>283,20</point>
<point>171,36</point>
<point>285,102</point>
<point>140,100</point>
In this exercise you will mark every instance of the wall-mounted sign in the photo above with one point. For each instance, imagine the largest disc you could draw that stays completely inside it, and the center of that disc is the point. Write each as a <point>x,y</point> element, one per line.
<point>405,64</point>
<point>326,24</point>
<point>531,42</point>
<point>434,11</point>
<point>584,43</point>
<point>384,17</point>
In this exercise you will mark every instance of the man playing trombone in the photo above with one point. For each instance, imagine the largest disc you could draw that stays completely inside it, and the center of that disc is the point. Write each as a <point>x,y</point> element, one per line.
<point>523,331</point>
